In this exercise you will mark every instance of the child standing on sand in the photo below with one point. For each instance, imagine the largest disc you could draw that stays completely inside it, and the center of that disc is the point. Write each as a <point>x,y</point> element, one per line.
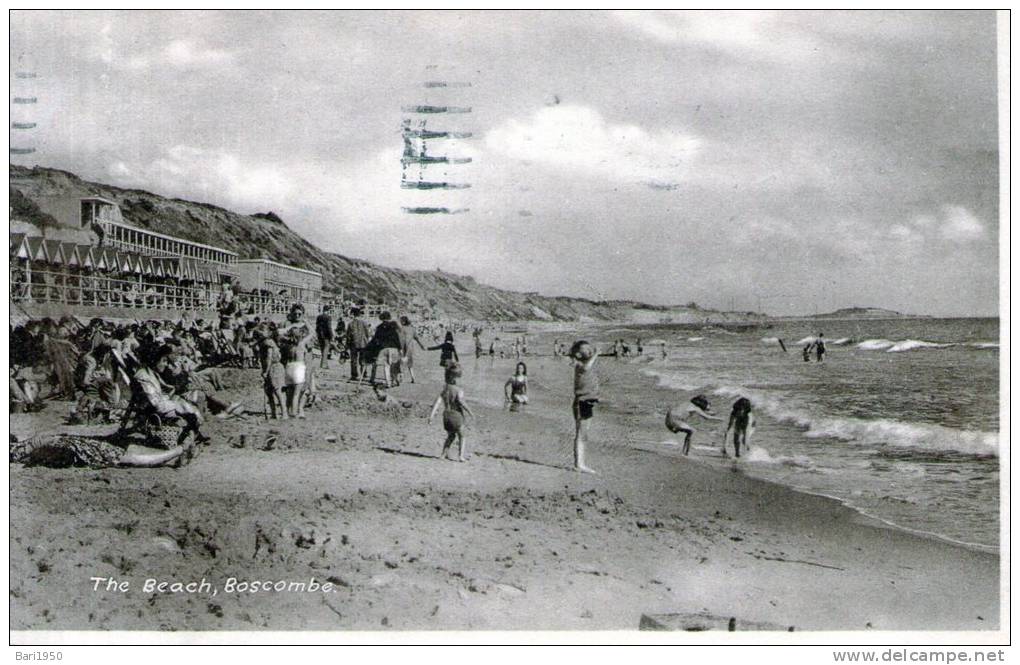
<point>678,417</point>
<point>586,389</point>
<point>447,351</point>
<point>742,424</point>
<point>272,377</point>
<point>454,408</point>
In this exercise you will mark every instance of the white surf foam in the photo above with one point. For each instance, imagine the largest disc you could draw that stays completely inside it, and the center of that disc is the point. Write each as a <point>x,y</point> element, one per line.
<point>870,432</point>
<point>670,380</point>
<point>911,344</point>
<point>875,344</point>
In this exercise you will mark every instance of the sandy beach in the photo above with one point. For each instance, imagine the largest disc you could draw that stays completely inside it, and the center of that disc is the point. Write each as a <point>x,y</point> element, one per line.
<point>513,539</point>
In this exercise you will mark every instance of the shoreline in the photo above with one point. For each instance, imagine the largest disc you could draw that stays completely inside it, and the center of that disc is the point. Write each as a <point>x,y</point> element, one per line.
<point>866,517</point>
<point>511,539</point>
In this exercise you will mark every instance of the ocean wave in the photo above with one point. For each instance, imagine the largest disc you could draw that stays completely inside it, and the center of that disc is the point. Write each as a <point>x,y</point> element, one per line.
<point>871,432</point>
<point>911,344</point>
<point>760,455</point>
<point>842,341</point>
<point>698,339</point>
<point>670,380</point>
<point>770,340</point>
<point>890,346</point>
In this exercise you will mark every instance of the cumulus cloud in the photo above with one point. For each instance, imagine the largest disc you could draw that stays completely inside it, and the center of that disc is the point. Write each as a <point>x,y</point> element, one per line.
<point>578,138</point>
<point>960,225</point>
<point>954,223</point>
<point>209,175</point>
<point>185,53</point>
<point>754,33</point>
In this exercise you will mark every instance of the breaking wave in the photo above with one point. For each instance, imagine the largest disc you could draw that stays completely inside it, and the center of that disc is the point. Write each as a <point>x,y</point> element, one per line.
<point>933,438</point>
<point>890,346</point>
<point>670,380</point>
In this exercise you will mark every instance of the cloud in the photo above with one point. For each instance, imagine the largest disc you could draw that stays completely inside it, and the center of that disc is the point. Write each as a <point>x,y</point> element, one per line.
<point>959,225</point>
<point>578,139</point>
<point>185,53</point>
<point>748,33</point>
<point>203,174</point>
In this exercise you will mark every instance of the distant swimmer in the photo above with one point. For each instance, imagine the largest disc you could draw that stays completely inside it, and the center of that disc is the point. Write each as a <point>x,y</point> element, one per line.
<point>742,424</point>
<point>678,418</point>
<point>665,354</point>
<point>807,352</point>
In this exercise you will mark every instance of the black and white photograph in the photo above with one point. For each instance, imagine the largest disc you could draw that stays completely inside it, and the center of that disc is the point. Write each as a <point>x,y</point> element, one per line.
<point>392,326</point>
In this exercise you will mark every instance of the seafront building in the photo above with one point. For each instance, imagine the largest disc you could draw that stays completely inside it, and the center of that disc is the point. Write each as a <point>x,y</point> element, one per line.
<point>93,263</point>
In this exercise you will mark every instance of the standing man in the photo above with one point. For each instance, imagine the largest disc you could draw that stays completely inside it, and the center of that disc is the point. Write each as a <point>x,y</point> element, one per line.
<point>358,334</point>
<point>820,348</point>
<point>324,336</point>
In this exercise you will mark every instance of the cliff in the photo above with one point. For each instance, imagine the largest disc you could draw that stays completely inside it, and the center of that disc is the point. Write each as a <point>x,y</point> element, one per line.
<point>266,235</point>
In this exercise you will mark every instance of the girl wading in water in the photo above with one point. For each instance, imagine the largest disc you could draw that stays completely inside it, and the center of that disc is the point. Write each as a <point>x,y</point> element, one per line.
<point>516,388</point>
<point>742,424</point>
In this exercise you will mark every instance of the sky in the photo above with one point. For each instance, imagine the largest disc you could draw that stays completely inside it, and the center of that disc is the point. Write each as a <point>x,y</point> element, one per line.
<point>791,162</point>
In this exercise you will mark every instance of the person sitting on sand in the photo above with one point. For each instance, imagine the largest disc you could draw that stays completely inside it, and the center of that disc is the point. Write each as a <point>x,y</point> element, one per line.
<point>586,396</point>
<point>154,391</point>
<point>454,409</point>
<point>516,388</point>
<point>678,417</point>
<point>742,424</point>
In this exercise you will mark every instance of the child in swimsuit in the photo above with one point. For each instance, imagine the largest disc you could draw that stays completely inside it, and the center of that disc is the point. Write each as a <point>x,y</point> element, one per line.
<point>742,424</point>
<point>516,388</point>
<point>454,409</point>
<point>272,376</point>
<point>586,388</point>
<point>678,417</point>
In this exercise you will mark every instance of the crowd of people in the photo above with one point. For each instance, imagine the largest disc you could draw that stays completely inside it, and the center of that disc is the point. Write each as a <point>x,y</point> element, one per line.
<point>131,371</point>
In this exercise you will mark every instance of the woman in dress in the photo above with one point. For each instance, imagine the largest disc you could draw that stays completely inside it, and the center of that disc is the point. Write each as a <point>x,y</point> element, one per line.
<point>409,338</point>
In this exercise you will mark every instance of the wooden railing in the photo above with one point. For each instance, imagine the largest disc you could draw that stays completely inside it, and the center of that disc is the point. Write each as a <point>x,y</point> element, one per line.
<point>88,288</point>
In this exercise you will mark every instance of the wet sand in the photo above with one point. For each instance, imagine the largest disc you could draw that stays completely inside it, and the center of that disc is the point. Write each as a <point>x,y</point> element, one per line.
<point>513,539</point>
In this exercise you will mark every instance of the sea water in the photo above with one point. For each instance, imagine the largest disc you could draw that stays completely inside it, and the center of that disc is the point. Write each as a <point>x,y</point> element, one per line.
<point>900,421</point>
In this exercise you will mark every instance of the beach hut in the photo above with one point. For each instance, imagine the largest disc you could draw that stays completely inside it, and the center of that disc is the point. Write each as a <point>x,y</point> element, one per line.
<point>71,256</point>
<point>102,260</point>
<point>19,247</point>
<point>36,249</point>
<point>123,262</point>
<point>19,253</point>
<point>54,252</point>
<point>87,256</point>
